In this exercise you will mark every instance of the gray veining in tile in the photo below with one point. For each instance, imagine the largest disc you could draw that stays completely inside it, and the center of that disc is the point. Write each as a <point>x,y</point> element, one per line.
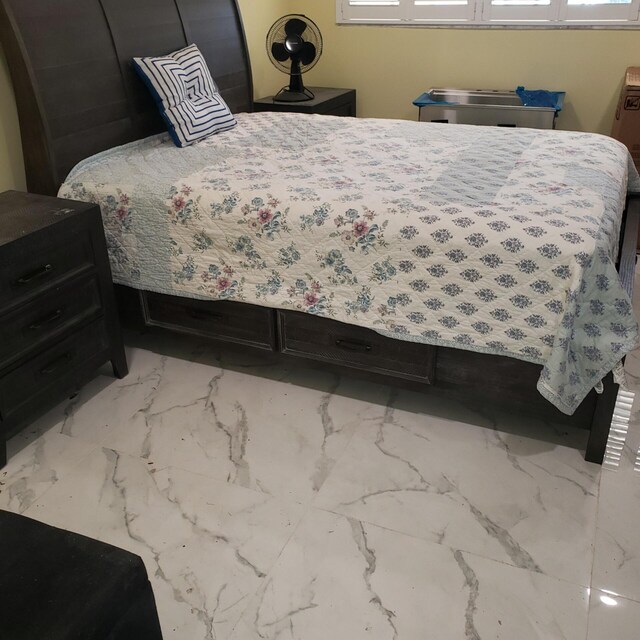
<point>497,495</point>
<point>341,578</point>
<point>207,545</point>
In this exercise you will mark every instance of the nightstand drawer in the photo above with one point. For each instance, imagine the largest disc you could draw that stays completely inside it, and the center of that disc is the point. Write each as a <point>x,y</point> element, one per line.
<point>218,319</point>
<point>330,341</point>
<point>48,316</point>
<point>21,387</point>
<point>40,259</point>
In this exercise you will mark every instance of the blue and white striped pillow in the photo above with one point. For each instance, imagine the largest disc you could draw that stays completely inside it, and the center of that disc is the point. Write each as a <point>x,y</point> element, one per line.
<point>187,96</point>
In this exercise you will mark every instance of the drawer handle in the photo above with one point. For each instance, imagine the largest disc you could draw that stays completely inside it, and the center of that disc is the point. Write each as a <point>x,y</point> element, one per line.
<point>201,314</point>
<point>57,364</point>
<point>42,322</point>
<point>41,272</point>
<point>353,345</point>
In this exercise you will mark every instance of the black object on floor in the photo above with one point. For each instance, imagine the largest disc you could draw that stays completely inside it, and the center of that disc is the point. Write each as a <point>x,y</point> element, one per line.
<point>58,585</point>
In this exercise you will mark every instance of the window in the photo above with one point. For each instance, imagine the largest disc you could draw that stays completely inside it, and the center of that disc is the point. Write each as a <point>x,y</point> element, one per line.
<point>542,13</point>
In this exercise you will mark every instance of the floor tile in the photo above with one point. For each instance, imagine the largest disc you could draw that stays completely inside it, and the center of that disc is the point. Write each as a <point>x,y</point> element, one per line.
<point>502,496</point>
<point>224,423</point>
<point>341,578</point>
<point>227,424</point>
<point>612,617</point>
<point>207,545</point>
<point>617,551</point>
<point>35,464</point>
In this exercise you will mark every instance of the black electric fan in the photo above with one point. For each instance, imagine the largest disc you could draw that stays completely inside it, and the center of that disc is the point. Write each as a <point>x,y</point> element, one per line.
<point>294,44</point>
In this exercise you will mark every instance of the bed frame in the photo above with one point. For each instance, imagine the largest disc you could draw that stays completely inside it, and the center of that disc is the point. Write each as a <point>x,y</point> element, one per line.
<point>77,95</point>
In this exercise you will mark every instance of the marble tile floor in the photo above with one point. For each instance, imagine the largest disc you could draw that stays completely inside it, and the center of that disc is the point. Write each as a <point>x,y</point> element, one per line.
<point>285,502</point>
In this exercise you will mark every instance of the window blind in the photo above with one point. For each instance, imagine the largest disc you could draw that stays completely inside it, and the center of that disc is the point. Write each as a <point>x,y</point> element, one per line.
<point>615,13</point>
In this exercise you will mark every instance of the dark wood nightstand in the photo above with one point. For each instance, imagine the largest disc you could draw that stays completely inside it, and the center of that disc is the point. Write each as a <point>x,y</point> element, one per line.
<point>58,320</point>
<point>330,102</point>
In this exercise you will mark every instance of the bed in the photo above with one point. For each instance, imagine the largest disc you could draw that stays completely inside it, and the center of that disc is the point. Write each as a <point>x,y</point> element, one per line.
<point>458,256</point>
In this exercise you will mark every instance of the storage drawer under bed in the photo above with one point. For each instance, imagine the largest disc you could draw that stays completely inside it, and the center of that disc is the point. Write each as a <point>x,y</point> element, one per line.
<point>326,340</point>
<point>219,319</point>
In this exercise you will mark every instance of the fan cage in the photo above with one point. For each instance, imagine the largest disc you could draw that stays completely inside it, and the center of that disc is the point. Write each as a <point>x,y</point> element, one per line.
<point>277,34</point>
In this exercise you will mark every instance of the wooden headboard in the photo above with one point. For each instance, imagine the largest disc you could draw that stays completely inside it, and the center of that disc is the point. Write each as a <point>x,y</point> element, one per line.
<point>76,90</point>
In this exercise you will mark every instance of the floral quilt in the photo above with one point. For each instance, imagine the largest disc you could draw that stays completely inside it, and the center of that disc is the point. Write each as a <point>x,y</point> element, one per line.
<point>493,240</point>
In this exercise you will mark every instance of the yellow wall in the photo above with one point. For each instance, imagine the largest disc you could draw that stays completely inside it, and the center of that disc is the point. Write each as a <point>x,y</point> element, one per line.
<point>258,16</point>
<point>390,66</point>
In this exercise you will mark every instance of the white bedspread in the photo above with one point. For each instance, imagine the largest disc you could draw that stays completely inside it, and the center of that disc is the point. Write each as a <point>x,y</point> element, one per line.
<point>493,240</point>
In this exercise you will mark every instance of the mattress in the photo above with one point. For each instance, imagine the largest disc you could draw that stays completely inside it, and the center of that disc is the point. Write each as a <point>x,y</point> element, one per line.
<point>486,239</point>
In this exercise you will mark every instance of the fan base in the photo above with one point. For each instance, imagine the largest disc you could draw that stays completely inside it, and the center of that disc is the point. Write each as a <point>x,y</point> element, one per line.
<point>286,95</point>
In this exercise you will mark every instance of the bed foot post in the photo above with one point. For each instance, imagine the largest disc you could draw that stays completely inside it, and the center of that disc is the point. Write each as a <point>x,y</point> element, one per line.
<point>119,363</point>
<point>601,421</point>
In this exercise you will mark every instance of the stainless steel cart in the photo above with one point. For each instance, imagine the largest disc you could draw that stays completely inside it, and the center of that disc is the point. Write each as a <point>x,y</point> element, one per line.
<point>484,107</point>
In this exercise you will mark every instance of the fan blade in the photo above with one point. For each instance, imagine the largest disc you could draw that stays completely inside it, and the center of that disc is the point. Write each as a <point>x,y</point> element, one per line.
<point>295,27</point>
<point>308,53</point>
<point>279,52</point>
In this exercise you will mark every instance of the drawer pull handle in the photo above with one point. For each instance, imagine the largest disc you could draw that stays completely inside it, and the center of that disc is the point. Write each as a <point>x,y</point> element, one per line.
<point>353,345</point>
<point>57,364</point>
<point>201,314</point>
<point>38,324</point>
<point>41,272</point>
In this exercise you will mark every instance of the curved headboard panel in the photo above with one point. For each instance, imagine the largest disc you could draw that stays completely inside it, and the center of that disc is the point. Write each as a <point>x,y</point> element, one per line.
<point>76,90</point>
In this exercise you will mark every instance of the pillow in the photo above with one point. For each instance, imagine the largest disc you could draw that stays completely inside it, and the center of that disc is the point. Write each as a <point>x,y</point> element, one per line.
<point>186,94</point>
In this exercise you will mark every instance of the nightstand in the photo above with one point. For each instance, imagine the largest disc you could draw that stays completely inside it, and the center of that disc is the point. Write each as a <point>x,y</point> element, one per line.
<point>58,320</point>
<point>330,102</point>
